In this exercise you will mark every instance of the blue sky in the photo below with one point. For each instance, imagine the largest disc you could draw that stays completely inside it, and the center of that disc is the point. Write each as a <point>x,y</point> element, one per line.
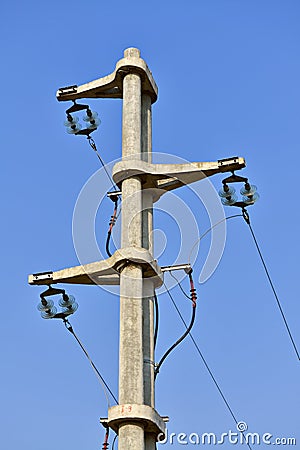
<point>228,77</point>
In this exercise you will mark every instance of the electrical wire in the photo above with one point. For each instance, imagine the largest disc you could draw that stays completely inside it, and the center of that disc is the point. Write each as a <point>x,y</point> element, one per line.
<point>101,379</point>
<point>94,147</point>
<point>111,225</point>
<point>247,220</point>
<point>105,443</point>
<point>115,216</point>
<point>179,285</point>
<point>188,329</point>
<point>245,215</point>
<point>209,230</point>
<point>113,442</point>
<point>205,362</point>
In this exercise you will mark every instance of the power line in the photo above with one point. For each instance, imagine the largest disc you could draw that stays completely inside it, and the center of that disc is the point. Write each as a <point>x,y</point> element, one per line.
<point>179,285</point>
<point>112,222</point>
<point>245,215</point>
<point>94,147</point>
<point>205,362</point>
<point>188,329</point>
<point>247,220</point>
<point>114,441</point>
<point>209,230</point>
<point>101,379</point>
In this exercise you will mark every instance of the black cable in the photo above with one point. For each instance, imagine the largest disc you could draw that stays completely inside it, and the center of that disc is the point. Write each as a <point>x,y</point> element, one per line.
<point>111,225</point>
<point>107,244</point>
<point>156,308</point>
<point>247,220</point>
<point>94,147</point>
<point>103,382</point>
<point>113,442</point>
<point>188,329</point>
<point>158,366</point>
<point>204,361</point>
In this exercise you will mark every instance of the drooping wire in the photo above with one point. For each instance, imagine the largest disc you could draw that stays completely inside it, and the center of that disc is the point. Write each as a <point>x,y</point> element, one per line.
<point>94,147</point>
<point>205,362</point>
<point>111,225</point>
<point>115,216</point>
<point>113,442</point>
<point>180,286</point>
<point>245,215</point>
<point>101,379</point>
<point>188,329</point>
<point>209,230</point>
<point>247,220</point>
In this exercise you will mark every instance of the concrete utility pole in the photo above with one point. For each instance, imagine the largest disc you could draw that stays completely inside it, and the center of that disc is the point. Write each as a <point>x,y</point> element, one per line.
<point>133,266</point>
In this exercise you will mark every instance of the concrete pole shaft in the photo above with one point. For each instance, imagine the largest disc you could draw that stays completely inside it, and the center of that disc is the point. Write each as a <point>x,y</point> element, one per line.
<point>131,383</point>
<point>132,213</point>
<point>131,380</point>
<point>148,285</point>
<point>132,117</point>
<point>131,437</point>
<point>148,347</point>
<point>146,128</point>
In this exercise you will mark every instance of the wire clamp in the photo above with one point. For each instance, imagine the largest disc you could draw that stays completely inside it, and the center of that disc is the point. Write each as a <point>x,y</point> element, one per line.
<point>149,361</point>
<point>246,216</point>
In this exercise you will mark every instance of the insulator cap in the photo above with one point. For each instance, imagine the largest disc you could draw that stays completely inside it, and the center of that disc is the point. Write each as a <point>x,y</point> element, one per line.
<point>71,309</point>
<point>248,190</point>
<point>229,200</point>
<point>226,191</point>
<point>74,129</point>
<point>91,115</point>
<point>44,307</point>
<point>66,301</point>
<point>251,199</point>
<point>71,121</point>
<point>49,314</point>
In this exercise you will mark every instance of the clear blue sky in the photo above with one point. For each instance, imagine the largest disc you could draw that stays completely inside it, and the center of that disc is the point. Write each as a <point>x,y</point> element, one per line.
<point>228,76</point>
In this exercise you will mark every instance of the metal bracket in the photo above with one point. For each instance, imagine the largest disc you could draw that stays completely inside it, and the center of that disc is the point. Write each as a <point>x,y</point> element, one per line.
<point>114,195</point>
<point>41,277</point>
<point>186,267</point>
<point>51,291</point>
<point>235,179</point>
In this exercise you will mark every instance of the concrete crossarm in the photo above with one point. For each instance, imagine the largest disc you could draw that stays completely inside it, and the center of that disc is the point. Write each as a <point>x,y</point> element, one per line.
<point>166,177</point>
<point>104,272</point>
<point>111,86</point>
